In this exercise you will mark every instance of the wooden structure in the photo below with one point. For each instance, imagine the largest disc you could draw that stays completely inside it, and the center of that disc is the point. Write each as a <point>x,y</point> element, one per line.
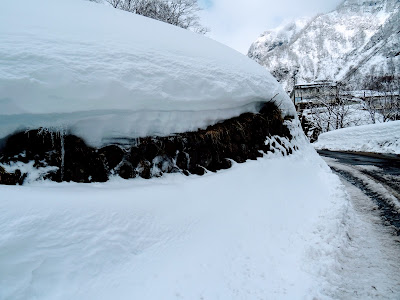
<point>311,92</point>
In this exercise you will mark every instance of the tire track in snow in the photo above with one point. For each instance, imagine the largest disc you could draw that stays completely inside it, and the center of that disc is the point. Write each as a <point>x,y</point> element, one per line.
<point>368,264</point>
<point>381,188</point>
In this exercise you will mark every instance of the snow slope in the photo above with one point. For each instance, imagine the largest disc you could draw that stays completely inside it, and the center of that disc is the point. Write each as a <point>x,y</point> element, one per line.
<point>375,138</point>
<point>238,234</point>
<point>104,73</point>
<point>359,38</point>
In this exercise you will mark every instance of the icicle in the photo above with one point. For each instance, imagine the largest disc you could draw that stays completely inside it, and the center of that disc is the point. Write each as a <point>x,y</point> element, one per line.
<point>62,153</point>
<point>188,160</point>
<point>52,138</point>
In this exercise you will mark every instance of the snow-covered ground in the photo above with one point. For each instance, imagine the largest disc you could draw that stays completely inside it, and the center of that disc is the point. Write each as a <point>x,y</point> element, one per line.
<point>375,138</point>
<point>111,74</point>
<point>275,228</point>
<point>270,228</point>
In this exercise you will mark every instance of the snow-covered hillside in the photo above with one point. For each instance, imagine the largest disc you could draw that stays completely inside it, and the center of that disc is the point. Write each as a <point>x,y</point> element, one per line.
<point>375,138</point>
<point>358,38</point>
<point>101,74</point>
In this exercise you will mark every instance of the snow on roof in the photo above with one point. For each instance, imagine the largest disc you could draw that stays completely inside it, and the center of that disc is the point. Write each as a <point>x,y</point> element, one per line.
<point>316,84</point>
<point>101,72</point>
<point>370,93</point>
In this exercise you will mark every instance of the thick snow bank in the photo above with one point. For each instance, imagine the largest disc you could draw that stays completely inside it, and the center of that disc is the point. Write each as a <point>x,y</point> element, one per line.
<point>376,138</point>
<point>101,72</point>
<point>238,234</point>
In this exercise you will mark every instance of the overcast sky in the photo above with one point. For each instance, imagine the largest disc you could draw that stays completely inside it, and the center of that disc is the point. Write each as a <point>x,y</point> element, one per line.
<point>238,23</point>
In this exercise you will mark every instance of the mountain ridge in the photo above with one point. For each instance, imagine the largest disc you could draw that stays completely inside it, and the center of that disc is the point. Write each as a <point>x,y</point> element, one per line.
<point>356,39</point>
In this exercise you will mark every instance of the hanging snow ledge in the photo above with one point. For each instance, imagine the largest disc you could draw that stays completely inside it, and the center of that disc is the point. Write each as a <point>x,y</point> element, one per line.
<point>103,74</point>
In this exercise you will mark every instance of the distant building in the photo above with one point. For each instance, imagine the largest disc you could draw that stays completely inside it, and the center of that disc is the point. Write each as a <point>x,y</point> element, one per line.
<point>311,92</point>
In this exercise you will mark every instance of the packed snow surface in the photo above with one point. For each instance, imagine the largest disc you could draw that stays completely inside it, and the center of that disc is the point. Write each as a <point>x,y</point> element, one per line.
<point>105,73</point>
<point>375,138</point>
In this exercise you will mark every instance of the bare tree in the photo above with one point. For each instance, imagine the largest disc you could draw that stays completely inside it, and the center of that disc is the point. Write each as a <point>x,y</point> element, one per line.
<point>382,97</point>
<point>115,3</point>
<point>330,110</point>
<point>370,105</point>
<point>390,100</point>
<point>342,112</point>
<point>181,13</point>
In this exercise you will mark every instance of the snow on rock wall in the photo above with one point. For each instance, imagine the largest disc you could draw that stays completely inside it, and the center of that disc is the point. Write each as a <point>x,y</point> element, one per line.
<point>105,74</point>
<point>41,154</point>
<point>358,38</point>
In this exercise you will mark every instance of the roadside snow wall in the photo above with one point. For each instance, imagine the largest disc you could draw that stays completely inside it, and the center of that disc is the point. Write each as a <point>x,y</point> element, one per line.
<point>374,138</point>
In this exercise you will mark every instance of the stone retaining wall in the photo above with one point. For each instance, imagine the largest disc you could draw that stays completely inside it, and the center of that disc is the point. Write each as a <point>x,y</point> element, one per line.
<point>238,139</point>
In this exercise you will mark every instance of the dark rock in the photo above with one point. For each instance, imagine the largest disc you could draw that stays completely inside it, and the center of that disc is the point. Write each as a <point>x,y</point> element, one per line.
<point>182,161</point>
<point>79,162</point>
<point>11,178</point>
<point>112,156</point>
<point>144,169</point>
<point>198,170</point>
<point>126,171</point>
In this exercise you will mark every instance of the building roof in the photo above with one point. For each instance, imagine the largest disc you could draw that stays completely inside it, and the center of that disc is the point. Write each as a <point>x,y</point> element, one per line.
<point>316,84</point>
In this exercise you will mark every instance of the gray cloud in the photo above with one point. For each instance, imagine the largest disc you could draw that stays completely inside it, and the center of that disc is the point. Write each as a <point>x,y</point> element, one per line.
<point>239,23</point>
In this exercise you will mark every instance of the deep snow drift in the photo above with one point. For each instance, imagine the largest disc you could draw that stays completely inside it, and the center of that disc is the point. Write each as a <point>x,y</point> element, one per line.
<point>375,138</point>
<point>238,234</point>
<point>101,73</point>
<point>275,228</point>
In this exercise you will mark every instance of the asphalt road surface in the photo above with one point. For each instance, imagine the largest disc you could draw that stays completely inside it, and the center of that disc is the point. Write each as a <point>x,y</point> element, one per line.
<point>377,176</point>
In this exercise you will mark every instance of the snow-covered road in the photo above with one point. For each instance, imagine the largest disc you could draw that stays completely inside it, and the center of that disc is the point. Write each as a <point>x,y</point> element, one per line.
<point>376,175</point>
<point>370,265</point>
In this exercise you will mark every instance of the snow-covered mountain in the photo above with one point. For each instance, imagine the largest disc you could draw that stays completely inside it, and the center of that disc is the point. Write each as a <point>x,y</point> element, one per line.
<point>359,38</point>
